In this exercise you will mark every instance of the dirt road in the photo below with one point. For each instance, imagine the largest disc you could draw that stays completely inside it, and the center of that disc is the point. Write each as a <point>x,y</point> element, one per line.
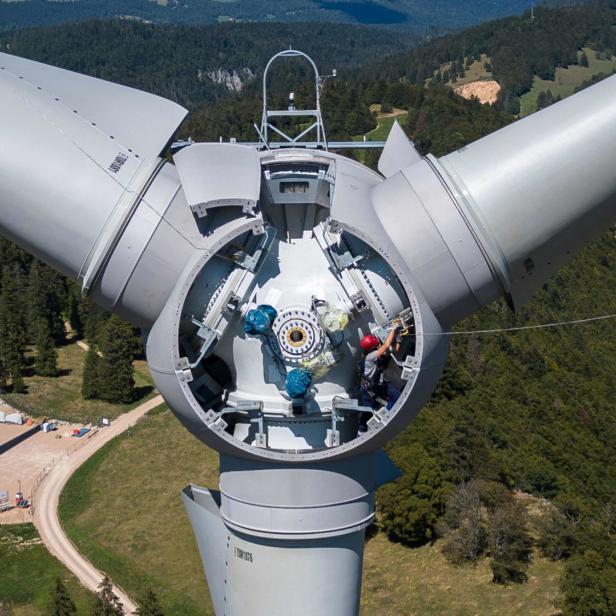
<point>48,495</point>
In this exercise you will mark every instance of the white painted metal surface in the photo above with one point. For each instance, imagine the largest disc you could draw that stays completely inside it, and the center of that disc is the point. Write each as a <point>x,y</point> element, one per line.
<point>168,247</point>
<point>77,153</point>
<point>219,175</point>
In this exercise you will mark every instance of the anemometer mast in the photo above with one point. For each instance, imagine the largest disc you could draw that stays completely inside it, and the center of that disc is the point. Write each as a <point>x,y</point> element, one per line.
<point>255,271</point>
<point>291,112</point>
<point>316,125</point>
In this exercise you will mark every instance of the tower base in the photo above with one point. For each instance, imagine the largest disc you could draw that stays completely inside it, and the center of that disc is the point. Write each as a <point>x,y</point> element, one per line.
<point>286,540</point>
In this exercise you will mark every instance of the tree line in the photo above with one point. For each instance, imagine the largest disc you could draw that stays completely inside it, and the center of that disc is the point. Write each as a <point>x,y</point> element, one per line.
<point>518,47</point>
<point>193,65</point>
<point>38,307</point>
<point>106,602</point>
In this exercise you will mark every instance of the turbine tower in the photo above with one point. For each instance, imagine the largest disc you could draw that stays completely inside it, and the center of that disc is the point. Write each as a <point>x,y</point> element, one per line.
<point>255,270</point>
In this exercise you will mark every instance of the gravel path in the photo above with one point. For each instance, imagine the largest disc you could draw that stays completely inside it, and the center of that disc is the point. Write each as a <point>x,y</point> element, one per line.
<point>48,495</point>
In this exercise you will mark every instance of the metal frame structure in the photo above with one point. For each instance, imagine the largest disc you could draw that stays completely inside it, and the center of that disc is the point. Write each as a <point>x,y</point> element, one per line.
<point>315,113</point>
<point>321,143</point>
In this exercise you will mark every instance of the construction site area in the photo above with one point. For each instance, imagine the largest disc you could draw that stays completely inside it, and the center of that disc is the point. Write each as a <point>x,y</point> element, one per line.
<point>29,451</point>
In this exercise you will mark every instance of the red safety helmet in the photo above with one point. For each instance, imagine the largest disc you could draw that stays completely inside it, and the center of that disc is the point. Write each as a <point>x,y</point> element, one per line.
<point>369,343</point>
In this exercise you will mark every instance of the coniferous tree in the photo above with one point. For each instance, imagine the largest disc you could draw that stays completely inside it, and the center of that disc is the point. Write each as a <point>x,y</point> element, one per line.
<point>61,603</point>
<point>13,335</point>
<point>46,299</point>
<point>150,606</point>
<point>116,371</point>
<point>589,585</point>
<point>410,506</point>
<point>46,362</point>
<point>106,602</point>
<point>77,309</point>
<point>3,375</point>
<point>90,385</point>
<point>94,320</point>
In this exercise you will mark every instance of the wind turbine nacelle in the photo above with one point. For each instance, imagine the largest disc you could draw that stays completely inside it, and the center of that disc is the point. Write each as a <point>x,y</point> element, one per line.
<point>255,275</point>
<point>186,250</point>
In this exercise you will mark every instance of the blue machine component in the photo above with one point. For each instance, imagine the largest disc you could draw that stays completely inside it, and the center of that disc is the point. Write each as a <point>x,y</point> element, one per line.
<point>298,382</point>
<point>270,311</point>
<point>259,320</point>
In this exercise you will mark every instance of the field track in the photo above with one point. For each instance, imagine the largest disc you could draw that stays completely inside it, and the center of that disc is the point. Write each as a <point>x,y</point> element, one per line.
<point>48,496</point>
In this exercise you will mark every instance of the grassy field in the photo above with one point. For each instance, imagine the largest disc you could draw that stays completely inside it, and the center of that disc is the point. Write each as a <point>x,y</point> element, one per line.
<point>566,81</point>
<point>384,123</point>
<point>123,510</point>
<point>475,72</point>
<point>399,582</point>
<point>381,132</point>
<point>60,398</point>
<point>28,573</point>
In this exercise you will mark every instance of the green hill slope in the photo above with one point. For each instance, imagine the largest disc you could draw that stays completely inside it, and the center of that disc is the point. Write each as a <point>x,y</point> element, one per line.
<point>150,545</point>
<point>195,64</point>
<point>519,49</point>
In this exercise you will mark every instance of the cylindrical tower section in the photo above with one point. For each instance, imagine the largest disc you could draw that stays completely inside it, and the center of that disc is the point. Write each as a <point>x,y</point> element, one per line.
<point>537,190</point>
<point>286,540</point>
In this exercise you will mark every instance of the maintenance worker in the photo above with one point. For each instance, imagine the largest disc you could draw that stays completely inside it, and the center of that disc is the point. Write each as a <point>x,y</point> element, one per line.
<point>375,358</point>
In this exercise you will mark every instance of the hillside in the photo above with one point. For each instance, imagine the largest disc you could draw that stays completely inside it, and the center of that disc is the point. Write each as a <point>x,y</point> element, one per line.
<point>151,544</point>
<point>516,49</point>
<point>403,14</point>
<point>192,65</point>
<point>29,572</point>
<point>201,64</point>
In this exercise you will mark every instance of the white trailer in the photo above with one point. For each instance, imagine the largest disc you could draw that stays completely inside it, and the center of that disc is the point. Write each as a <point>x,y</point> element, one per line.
<point>5,501</point>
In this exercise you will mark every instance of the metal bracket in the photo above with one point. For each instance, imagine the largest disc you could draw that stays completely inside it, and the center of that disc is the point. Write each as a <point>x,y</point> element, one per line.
<point>332,438</point>
<point>209,337</point>
<point>255,408</point>
<point>345,260</point>
<point>410,368</point>
<point>333,226</point>
<point>233,303</point>
<point>350,404</point>
<point>250,262</point>
<point>183,370</point>
<point>359,301</point>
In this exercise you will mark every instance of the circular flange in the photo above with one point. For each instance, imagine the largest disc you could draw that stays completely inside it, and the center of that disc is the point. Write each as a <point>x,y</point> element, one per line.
<point>299,335</point>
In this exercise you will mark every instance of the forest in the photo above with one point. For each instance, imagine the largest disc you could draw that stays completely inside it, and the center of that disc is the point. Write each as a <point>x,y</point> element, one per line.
<point>518,47</point>
<point>39,308</point>
<point>195,64</point>
<point>517,415</point>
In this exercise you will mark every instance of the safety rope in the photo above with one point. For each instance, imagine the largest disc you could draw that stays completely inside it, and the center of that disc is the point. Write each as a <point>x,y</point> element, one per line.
<point>520,328</point>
